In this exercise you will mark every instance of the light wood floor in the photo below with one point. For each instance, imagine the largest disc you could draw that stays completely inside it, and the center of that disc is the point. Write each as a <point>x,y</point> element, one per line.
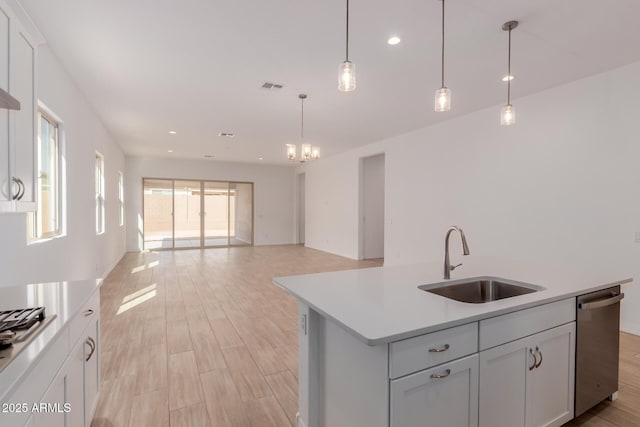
<point>202,338</point>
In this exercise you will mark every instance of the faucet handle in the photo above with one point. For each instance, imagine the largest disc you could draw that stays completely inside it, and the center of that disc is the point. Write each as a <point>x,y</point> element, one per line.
<point>453,267</point>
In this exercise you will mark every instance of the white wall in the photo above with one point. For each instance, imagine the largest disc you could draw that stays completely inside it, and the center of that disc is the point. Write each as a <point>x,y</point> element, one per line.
<point>561,185</point>
<point>79,254</point>
<point>273,193</point>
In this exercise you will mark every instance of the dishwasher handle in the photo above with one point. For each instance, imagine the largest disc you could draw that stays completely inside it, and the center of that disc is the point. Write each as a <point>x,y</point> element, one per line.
<point>614,299</point>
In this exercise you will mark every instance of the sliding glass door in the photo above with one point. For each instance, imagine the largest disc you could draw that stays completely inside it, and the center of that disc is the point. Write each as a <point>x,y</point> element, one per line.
<point>197,214</point>
<point>216,213</point>
<point>186,214</point>
<point>241,218</point>
<point>158,214</point>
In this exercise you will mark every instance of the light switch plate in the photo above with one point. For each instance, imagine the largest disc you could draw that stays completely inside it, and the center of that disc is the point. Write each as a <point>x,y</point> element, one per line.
<point>636,237</point>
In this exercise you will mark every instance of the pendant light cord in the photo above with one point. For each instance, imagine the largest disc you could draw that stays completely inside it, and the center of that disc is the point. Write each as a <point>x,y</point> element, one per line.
<point>442,43</point>
<point>302,120</point>
<point>347,38</point>
<point>509,72</point>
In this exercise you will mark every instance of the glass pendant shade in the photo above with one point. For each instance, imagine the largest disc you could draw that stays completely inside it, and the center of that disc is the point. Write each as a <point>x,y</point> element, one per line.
<point>347,77</point>
<point>315,153</point>
<point>305,152</point>
<point>443,99</point>
<point>291,151</point>
<point>508,115</point>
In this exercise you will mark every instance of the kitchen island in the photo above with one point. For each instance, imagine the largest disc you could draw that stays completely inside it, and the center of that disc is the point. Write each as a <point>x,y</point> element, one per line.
<point>375,350</point>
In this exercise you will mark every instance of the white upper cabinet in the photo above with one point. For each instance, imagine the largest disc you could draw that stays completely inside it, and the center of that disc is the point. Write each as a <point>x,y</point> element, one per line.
<point>23,85</point>
<point>5,173</point>
<point>18,128</point>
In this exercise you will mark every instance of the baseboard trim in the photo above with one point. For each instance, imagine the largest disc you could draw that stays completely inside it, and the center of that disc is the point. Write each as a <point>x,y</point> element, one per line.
<point>110,268</point>
<point>630,327</point>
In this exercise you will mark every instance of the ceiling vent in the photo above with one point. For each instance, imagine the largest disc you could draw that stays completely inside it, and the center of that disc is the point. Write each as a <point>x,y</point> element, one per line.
<point>226,134</point>
<point>271,86</point>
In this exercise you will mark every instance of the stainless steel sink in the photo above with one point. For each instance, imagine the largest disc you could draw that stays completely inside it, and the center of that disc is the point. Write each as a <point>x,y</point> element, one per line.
<point>479,290</point>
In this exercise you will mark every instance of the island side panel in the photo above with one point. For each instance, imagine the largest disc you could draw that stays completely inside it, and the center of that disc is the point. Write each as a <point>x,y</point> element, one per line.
<point>308,366</point>
<point>342,381</point>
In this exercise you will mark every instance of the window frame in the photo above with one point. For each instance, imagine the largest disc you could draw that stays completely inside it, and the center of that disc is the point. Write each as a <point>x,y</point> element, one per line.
<point>99,178</point>
<point>35,220</point>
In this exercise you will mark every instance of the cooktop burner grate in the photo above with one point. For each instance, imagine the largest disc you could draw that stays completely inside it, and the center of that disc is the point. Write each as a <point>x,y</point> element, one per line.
<point>20,319</point>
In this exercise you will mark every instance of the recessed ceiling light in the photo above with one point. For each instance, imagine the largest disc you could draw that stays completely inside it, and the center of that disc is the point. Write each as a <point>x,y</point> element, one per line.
<point>169,151</point>
<point>173,132</point>
<point>226,134</point>
<point>393,40</point>
<point>260,158</point>
<point>507,78</point>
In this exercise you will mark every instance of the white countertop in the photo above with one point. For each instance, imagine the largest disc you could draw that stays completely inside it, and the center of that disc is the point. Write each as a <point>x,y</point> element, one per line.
<point>64,299</point>
<point>383,304</point>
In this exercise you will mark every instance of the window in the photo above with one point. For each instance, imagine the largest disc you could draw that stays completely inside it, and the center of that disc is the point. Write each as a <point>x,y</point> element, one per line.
<point>121,197</point>
<point>99,178</point>
<point>45,222</point>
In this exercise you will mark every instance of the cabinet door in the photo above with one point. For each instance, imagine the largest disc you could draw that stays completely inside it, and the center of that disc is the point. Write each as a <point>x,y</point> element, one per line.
<point>503,376</point>
<point>75,384</point>
<point>5,173</point>
<point>91,370</point>
<point>51,410</point>
<point>417,400</point>
<point>23,87</point>
<point>550,391</point>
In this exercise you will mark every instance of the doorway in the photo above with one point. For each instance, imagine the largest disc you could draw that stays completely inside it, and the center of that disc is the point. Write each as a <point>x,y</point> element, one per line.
<point>180,214</point>
<point>372,207</point>
<point>301,207</point>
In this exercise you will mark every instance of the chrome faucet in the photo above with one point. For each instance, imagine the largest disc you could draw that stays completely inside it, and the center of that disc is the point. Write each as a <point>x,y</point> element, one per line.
<point>448,268</point>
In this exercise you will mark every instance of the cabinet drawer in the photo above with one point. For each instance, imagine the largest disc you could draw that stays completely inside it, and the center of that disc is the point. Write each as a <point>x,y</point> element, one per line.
<point>510,327</point>
<point>415,354</point>
<point>446,396</point>
<point>88,313</point>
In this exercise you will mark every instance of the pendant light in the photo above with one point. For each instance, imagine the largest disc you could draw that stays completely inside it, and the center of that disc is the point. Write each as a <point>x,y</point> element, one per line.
<point>347,70</point>
<point>508,114</point>
<point>443,95</point>
<point>307,152</point>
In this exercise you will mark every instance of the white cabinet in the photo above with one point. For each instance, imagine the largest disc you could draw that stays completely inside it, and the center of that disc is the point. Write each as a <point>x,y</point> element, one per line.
<point>22,61</point>
<point>18,53</point>
<point>444,396</point>
<point>75,384</point>
<point>62,389</point>
<point>83,378</point>
<point>51,409</point>
<point>91,364</point>
<point>529,382</point>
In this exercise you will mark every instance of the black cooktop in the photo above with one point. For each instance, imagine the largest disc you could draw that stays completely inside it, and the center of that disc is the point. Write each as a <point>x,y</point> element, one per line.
<point>21,318</point>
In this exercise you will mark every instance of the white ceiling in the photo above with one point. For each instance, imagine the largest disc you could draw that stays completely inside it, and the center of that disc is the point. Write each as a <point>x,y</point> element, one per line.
<point>196,66</point>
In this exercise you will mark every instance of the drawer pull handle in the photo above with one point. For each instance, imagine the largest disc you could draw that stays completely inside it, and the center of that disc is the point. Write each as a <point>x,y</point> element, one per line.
<point>535,360</point>
<point>88,313</point>
<point>540,353</point>
<point>439,376</point>
<point>92,345</point>
<point>439,350</point>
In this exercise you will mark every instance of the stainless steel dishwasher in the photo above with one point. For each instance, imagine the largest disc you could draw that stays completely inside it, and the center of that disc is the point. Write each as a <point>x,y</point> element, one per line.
<point>597,347</point>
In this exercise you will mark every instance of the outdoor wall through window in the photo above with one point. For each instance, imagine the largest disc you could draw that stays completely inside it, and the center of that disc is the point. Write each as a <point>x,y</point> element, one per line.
<point>196,213</point>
